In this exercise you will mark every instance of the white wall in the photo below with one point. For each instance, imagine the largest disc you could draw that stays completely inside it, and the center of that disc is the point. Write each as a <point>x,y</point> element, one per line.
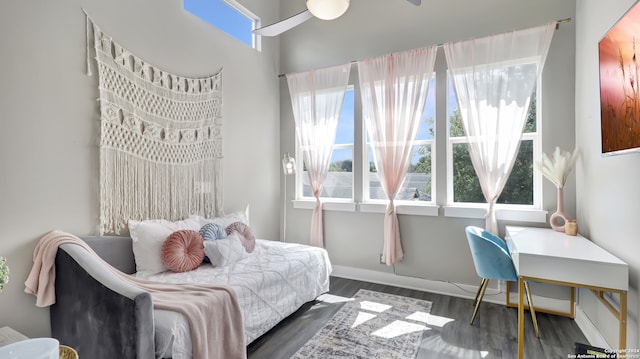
<point>49,120</point>
<point>435,247</point>
<point>608,193</point>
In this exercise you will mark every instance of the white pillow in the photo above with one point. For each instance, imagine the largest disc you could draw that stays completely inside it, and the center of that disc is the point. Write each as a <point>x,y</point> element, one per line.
<point>222,252</point>
<point>148,237</point>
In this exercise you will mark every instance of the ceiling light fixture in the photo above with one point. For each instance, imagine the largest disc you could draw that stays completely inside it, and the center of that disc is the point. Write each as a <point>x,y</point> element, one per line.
<point>327,9</point>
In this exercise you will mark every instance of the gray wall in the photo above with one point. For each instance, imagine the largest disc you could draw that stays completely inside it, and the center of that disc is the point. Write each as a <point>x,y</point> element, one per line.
<point>435,247</point>
<point>608,193</point>
<point>49,120</point>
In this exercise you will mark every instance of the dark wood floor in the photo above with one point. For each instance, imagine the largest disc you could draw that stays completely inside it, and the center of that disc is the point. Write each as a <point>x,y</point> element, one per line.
<point>493,334</point>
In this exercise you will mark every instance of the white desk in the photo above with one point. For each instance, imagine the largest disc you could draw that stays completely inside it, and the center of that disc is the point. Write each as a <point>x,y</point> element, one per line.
<point>544,255</point>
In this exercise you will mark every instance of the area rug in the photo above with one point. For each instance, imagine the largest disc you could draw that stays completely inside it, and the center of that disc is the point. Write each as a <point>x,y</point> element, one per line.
<point>371,325</point>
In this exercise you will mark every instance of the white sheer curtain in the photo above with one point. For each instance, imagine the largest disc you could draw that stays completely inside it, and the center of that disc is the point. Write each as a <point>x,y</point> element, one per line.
<point>316,98</point>
<point>394,90</point>
<point>494,78</point>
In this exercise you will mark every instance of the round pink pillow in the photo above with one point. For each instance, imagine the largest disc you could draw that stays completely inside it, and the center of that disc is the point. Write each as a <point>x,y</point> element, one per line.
<point>183,250</point>
<point>246,235</point>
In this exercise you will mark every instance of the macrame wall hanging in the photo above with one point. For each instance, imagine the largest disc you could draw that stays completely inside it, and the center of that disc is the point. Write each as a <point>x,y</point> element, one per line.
<point>160,142</point>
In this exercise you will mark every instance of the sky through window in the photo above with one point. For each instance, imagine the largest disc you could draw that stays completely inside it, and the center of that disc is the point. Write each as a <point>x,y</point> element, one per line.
<point>223,16</point>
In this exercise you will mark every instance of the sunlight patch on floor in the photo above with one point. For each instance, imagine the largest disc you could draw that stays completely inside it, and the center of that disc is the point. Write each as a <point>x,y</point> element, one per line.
<point>374,307</point>
<point>432,320</point>
<point>398,328</point>
<point>362,317</point>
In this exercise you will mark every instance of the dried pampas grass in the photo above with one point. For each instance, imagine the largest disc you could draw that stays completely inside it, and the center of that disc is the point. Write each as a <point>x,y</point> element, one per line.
<point>557,168</point>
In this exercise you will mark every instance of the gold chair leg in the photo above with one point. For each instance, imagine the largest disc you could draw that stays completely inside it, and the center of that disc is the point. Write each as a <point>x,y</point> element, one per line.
<point>475,300</point>
<point>531,309</point>
<point>479,295</point>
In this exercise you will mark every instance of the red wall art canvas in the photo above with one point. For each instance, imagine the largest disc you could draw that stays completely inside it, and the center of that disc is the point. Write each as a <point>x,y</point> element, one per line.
<point>619,53</point>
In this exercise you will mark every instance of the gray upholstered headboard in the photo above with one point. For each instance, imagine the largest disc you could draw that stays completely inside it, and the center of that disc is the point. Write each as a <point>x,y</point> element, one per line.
<point>117,251</point>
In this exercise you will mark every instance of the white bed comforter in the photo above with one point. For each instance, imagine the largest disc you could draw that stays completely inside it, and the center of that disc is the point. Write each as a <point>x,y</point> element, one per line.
<point>273,282</point>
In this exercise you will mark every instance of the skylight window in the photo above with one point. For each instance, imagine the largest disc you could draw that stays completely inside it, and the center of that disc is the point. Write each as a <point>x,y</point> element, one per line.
<point>228,16</point>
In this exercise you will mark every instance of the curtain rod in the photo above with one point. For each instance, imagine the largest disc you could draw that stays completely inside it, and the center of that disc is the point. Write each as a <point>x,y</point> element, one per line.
<point>558,22</point>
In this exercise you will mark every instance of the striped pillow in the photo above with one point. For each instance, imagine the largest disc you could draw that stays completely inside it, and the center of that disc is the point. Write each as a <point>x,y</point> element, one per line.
<point>212,231</point>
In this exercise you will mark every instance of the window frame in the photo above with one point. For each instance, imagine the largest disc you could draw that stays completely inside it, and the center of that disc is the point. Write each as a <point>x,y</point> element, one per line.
<point>299,186</point>
<point>372,203</point>
<point>440,197</point>
<point>517,212</point>
<point>256,40</point>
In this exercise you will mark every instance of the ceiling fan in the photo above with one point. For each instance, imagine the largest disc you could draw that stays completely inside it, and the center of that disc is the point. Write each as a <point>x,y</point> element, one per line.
<point>322,9</point>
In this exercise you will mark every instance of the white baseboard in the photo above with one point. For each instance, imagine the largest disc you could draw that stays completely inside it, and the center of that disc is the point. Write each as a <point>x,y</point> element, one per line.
<point>466,291</point>
<point>557,305</point>
<point>589,329</point>
<point>426,285</point>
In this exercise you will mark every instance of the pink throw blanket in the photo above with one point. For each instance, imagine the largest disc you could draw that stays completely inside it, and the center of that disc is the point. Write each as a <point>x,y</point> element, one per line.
<point>213,312</point>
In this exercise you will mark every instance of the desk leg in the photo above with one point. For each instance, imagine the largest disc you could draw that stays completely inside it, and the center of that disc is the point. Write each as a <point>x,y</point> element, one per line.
<point>622,340</point>
<point>520,318</point>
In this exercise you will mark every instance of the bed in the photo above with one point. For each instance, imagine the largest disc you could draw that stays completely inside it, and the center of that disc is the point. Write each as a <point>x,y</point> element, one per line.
<point>103,317</point>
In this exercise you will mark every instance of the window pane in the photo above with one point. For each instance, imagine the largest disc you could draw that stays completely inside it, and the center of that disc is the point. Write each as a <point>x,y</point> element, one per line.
<point>425,131</point>
<point>345,131</point>
<point>375,188</point>
<point>519,187</point>
<point>417,184</point>
<point>455,118</point>
<point>453,111</point>
<point>426,128</point>
<point>339,182</point>
<point>219,14</point>
<point>530,125</point>
<point>466,187</point>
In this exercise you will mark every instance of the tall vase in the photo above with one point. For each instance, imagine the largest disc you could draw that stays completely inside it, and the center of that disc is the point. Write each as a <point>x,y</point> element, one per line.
<point>559,214</point>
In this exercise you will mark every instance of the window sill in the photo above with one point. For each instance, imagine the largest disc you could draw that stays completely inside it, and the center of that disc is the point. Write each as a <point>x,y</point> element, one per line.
<point>418,209</point>
<point>421,209</point>
<point>340,206</point>
<point>508,214</point>
<point>429,209</point>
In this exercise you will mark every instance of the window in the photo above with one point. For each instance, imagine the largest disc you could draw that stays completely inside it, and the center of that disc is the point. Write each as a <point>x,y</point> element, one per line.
<point>417,185</point>
<point>228,16</point>
<point>463,184</point>
<point>339,182</point>
<point>359,183</point>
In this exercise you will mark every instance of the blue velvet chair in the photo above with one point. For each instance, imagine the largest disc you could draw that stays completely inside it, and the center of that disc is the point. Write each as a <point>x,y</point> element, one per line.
<point>492,260</point>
